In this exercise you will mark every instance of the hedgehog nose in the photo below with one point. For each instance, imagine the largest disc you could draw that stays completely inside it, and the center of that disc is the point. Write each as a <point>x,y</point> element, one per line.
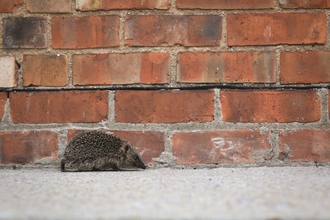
<point>143,166</point>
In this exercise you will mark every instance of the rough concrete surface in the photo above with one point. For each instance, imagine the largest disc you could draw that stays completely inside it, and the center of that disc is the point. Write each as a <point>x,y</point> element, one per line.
<point>220,193</point>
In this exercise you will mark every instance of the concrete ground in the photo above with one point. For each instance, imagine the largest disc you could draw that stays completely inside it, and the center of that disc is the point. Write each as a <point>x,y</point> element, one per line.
<point>221,193</point>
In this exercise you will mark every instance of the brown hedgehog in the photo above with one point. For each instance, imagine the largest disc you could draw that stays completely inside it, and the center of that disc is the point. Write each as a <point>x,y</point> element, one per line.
<point>99,151</point>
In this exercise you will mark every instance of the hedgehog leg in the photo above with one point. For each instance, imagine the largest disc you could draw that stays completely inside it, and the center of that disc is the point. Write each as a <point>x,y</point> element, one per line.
<point>63,165</point>
<point>115,167</point>
<point>109,165</point>
<point>100,164</point>
<point>106,166</point>
<point>84,167</point>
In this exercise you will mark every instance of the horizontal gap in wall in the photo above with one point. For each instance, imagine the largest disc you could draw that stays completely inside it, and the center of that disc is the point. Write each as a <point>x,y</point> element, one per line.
<point>194,87</point>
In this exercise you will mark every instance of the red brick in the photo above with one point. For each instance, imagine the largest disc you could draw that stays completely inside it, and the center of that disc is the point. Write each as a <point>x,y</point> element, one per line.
<point>150,144</point>
<point>27,147</point>
<point>3,99</point>
<point>49,6</point>
<point>304,4</point>
<point>164,106</point>
<point>305,67</point>
<point>85,32</point>
<point>229,67</point>
<point>232,4</point>
<point>87,5</point>
<point>8,72</point>
<point>59,107</point>
<point>277,28</point>
<point>45,70</point>
<point>10,5</point>
<point>169,30</point>
<point>270,106</point>
<point>98,69</point>
<point>305,145</point>
<point>213,147</point>
<point>20,32</point>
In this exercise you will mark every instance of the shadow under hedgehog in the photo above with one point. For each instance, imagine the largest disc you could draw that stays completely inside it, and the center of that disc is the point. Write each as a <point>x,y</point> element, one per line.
<point>95,151</point>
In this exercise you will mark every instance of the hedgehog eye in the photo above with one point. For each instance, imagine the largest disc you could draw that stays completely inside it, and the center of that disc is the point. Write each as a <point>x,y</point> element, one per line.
<point>135,157</point>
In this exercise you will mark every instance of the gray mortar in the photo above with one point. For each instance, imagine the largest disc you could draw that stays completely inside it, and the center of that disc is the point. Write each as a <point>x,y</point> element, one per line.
<point>62,134</point>
<point>6,119</point>
<point>111,108</point>
<point>327,44</point>
<point>217,106</point>
<point>274,143</point>
<point>323,95</point>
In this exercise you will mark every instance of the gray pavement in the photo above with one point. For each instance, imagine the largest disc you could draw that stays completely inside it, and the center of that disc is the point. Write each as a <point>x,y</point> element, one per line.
<point>220,193</point>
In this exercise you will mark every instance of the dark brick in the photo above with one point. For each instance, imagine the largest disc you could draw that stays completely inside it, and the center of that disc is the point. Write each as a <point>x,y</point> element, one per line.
<point>19,32</point>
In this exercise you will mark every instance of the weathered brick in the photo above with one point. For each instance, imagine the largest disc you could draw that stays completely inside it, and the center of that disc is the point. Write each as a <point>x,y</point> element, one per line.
<point>229,67</point>
<point>169,30</point>
<point>59,107</point>
<point>49,6</point>
<point>150,144</point>
<point>20,32</point>
<point>305,67</point>
<point>10,5</point>
<point>98,69</point>
<point>270,106</point>
<point>3,99</point>
<point>45,70</point>
<point>232,4</point>
<point>304,4</point>
<point>213,147</point>
<point>28,147</point>
<point>8,72</point>
<point>88,5</point>
<point>305,145</point>
<point>88,32</point>
<point>164,106</point>
<point>277,28</point>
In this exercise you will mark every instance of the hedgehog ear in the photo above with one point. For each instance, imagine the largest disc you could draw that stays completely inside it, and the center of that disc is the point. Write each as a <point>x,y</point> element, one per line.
<point>126,147</point>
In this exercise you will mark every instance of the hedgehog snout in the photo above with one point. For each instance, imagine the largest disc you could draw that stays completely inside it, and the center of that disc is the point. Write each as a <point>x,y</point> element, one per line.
<point>142,166</point>
<point>139,163</point>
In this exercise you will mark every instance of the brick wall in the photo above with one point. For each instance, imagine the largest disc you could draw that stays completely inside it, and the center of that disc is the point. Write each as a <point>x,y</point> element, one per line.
<point>240,82</point>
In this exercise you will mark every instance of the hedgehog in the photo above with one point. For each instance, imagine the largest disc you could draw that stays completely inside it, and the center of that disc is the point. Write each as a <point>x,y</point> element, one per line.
<point>95,151</point>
